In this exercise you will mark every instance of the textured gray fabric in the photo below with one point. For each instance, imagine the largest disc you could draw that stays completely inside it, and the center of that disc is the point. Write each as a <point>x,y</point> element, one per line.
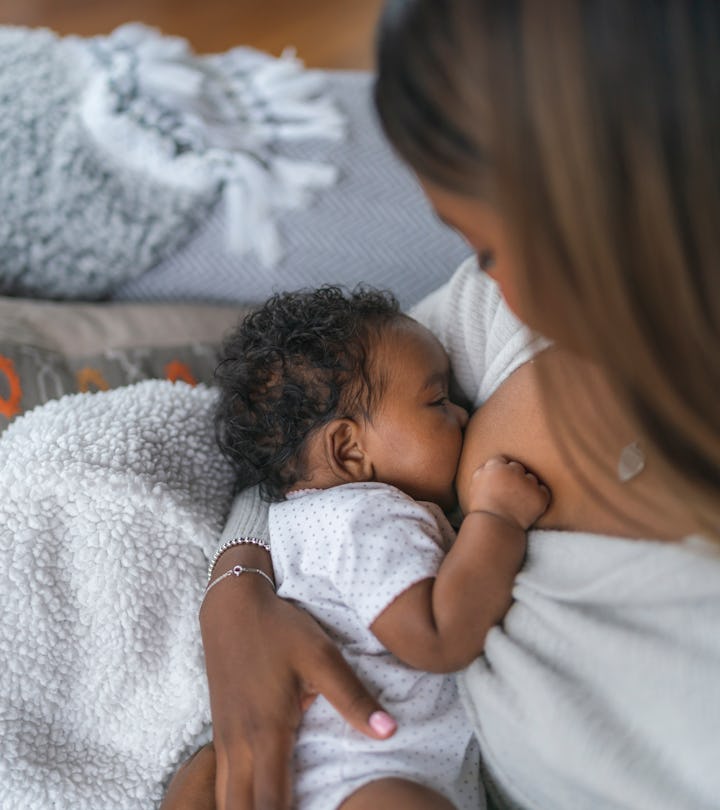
<point>77,222</point>
<point>373,226</point>
<point>71,226</point>
<point>50,348</point>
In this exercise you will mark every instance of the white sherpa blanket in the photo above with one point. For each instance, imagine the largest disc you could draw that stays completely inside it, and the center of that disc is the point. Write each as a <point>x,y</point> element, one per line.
<point>111,504</point>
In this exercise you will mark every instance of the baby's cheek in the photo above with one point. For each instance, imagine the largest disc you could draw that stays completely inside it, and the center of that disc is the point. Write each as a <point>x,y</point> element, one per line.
<point>474,454</point>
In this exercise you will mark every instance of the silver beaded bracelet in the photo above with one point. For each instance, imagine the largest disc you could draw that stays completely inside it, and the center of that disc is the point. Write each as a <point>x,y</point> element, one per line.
<point>236,571</point>
<point>235,541</point>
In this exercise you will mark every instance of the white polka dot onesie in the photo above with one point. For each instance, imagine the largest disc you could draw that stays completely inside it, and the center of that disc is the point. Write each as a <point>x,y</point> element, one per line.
<point>344,554</point>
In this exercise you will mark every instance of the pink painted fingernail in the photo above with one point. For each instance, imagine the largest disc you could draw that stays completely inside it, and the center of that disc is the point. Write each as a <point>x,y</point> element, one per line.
<point>381,723</point>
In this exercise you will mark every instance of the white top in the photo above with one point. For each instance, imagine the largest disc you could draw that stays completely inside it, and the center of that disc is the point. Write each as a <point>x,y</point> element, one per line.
<point>602,687</point>
<point>485,341</point>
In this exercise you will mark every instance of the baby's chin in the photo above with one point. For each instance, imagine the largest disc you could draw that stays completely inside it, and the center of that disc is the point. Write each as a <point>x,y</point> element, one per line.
<point>446,500</point>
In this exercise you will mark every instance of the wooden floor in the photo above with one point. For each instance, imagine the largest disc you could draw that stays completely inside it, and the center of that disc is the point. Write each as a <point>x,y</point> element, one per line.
<point>325,33</point>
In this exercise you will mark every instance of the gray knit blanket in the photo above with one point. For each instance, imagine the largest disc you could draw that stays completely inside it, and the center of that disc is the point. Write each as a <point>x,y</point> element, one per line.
<point>113,150</point>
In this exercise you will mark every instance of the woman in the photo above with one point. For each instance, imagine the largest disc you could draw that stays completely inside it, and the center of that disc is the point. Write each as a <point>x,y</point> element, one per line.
<point>575,145</point>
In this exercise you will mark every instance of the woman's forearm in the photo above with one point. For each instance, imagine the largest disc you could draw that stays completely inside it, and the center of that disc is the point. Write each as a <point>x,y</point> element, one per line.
<point>247,555</point>
<point>235,633</point>
<point>224,613</point>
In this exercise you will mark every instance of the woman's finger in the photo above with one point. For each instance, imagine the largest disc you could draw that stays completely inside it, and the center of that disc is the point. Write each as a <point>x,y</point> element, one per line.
<point>332,677</point>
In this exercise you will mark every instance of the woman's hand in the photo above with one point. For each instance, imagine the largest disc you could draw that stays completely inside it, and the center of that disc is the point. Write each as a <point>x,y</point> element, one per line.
<point>266,661</point>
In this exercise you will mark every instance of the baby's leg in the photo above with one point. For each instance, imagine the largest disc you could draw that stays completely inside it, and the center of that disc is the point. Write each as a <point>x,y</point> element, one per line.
<point>395,794</point>
<point>193,785</point>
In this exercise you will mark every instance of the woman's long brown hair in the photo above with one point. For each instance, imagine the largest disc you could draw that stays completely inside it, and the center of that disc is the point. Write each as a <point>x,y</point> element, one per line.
<point>593,127</point>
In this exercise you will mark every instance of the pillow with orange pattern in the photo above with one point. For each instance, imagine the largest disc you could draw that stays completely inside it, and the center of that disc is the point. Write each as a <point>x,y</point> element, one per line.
<point>48,349</point>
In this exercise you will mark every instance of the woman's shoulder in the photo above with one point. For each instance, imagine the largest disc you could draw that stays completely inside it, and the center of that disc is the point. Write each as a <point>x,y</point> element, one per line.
<point>483,338</point>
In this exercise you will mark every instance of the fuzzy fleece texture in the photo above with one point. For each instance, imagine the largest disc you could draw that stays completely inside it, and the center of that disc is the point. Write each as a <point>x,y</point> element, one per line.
<point>115,149</point>
<point>112,504</point>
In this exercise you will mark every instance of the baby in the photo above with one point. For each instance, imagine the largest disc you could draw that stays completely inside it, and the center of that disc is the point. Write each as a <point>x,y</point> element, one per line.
<point>337,406</point>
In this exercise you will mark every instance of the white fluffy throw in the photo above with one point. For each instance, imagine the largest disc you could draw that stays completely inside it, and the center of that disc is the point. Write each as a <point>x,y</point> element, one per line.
<point>111,504</point>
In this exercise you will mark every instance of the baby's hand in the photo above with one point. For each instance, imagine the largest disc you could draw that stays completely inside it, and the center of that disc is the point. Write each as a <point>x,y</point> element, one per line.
<point>506,489</point>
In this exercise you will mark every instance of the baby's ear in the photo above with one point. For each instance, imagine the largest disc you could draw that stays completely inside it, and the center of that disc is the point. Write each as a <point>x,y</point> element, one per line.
<point>345,451</point>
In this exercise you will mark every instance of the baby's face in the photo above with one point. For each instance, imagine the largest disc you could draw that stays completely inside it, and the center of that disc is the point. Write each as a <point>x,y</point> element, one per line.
<point>415,435</point>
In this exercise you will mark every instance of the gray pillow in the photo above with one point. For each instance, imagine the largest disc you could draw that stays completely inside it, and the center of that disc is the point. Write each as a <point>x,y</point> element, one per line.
<point>51,349</point>
<point>374,225</point>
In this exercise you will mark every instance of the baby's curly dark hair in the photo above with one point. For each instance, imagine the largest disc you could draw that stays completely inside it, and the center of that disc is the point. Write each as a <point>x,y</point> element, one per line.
<point>290,367</point>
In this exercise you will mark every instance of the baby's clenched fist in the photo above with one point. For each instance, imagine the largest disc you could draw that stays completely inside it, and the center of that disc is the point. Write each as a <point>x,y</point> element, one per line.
<point>505,488</point>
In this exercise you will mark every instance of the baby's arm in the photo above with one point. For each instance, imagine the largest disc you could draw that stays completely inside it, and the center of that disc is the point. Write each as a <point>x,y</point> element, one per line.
<point>440,624</point>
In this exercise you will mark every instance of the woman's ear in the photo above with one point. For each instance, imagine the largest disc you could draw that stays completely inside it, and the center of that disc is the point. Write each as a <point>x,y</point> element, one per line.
<point>345,451</point>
